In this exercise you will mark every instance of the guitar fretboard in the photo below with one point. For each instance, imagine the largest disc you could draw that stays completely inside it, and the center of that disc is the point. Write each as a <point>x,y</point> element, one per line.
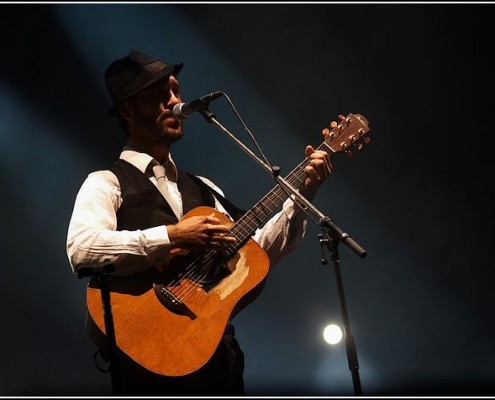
<point>246,226</point>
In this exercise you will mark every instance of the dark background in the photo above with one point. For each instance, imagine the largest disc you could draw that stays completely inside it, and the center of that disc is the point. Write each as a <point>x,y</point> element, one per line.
<point>418,198</point>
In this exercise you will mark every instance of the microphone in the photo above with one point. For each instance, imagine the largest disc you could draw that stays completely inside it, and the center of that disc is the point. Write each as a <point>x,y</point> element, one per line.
<point>182,110</point>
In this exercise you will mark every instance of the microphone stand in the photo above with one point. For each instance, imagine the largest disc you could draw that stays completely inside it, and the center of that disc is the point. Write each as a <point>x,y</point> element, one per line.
<point>332,237</point>
<point>100,275</point>
<point>332,242</point>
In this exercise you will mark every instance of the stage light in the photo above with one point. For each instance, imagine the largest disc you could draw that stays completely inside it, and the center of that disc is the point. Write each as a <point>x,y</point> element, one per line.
<point>332,334</point>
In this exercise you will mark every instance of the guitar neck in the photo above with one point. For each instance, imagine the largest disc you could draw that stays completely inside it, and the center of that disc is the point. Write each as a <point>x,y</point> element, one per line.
<point>245,227</point>
<point>350,131</point>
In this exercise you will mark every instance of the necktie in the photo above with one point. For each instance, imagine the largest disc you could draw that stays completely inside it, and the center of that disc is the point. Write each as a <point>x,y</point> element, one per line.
<point>161,182</point>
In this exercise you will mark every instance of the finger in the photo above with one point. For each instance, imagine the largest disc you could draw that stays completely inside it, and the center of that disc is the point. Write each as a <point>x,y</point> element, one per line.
<point>212,228</point>
<point>309,150</point>
<point>224,238</point>
<point>319,169</point>
<point>318,165</point>
<point>322,156</point>
<point>326,166</point>
<point>220,243</point>
<point>312,174</point>
<point>319,155</point>
<point>218,247</point>
<point>212,219</point>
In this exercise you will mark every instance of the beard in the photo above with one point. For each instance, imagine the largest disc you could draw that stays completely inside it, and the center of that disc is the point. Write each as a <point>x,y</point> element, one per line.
<point>159,129</point>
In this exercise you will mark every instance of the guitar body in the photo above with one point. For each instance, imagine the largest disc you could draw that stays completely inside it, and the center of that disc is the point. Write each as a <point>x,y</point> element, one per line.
<point>164,340</point>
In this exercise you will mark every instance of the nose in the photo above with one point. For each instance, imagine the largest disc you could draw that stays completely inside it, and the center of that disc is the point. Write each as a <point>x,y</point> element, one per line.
<point>174,94</point>
<point>173,99</point>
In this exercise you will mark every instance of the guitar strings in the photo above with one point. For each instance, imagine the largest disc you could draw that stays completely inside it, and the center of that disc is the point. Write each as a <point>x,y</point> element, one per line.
<point>191,273</point>
<point>183,292</point>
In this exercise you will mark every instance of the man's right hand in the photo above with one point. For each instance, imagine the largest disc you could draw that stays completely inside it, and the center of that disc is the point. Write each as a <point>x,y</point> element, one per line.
<point>199,233</point>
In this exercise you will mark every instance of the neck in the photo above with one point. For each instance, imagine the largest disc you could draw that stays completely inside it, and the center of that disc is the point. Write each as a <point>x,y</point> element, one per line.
<point>159,151</point>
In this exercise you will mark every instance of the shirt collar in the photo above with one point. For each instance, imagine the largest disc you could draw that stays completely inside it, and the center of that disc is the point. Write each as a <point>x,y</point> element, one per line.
<point>142,160</point>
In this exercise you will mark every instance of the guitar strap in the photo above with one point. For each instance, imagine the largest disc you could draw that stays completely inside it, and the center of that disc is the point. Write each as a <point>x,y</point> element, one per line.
<point>235,212</point>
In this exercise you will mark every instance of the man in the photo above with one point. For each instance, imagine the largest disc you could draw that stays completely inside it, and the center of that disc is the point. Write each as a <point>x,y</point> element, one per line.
<point>120,218</point>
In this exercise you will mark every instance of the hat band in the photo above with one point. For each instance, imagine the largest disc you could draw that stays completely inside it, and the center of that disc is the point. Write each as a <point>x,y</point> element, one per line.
<point>152,72</point>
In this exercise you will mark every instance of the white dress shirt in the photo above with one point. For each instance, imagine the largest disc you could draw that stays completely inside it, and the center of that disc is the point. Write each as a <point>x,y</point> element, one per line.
<point>93,239</point>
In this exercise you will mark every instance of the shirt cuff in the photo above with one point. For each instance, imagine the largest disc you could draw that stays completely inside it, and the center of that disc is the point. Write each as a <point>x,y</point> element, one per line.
<point>156,238</point>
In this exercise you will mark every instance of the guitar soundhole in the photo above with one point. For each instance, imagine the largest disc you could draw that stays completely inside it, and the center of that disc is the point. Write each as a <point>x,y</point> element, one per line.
<point>213,268</point>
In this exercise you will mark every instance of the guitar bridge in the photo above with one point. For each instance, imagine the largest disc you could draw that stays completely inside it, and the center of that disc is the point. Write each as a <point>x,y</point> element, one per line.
<point>172,302</point>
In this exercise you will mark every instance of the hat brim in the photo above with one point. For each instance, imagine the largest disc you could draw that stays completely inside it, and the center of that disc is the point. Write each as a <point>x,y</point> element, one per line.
<point>113,111</point>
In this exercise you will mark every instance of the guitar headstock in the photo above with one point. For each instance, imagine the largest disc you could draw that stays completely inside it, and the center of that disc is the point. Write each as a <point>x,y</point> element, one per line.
<point>349,133</point>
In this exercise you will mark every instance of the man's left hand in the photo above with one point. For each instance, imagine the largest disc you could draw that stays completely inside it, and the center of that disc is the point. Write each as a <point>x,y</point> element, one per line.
<point>318,169</point>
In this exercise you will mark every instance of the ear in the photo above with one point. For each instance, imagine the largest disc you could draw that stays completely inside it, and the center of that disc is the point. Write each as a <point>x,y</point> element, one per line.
<point>126,111</point>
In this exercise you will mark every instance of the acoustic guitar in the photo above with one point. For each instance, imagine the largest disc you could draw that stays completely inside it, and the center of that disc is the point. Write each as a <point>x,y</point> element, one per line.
<point>171,320</point>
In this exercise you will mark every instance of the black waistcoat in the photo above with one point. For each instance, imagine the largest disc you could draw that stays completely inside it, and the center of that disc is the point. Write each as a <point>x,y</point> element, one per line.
<point>143,206</point>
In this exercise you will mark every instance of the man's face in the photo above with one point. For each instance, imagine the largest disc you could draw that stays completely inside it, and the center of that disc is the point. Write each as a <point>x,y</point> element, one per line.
<point>153,110</point>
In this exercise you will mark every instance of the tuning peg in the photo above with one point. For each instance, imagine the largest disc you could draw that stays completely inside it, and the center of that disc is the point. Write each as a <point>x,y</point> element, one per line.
<point>367,139</point>
<point>329,136</point>
<point>348,152</point>
<point>343,145</point>
<point>358,146</point>
<point>333,124</point>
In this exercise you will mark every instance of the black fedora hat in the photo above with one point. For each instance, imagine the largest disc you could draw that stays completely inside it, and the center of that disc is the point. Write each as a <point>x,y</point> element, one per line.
<point>131,74</point>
